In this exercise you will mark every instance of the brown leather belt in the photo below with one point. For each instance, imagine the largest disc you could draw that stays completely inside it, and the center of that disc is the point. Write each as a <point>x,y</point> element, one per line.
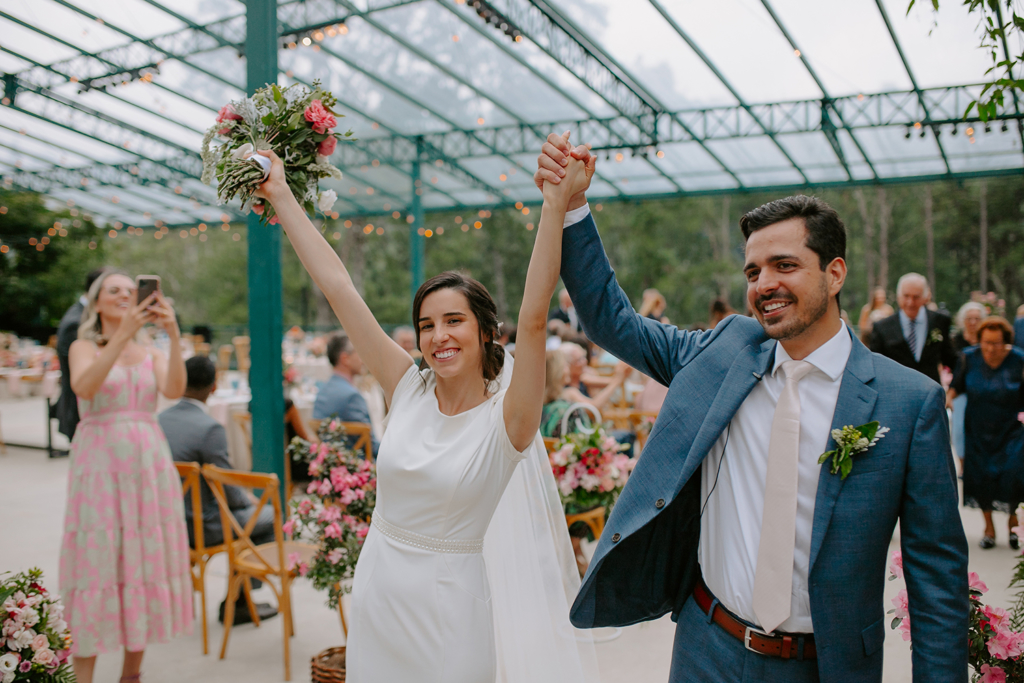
<point>786,646</point>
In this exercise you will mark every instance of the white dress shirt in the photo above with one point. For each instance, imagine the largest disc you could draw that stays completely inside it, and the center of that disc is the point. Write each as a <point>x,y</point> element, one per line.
<point>730,532</point>
<point>920,324</point>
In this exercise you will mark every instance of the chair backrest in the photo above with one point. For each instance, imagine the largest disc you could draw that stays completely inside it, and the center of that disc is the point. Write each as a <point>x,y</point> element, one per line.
<point>244,421</point>
<point>550,443</point>
<point>636,417</point>
<point>236,536</point>
<point>361,430</point>
<point>190,476</point>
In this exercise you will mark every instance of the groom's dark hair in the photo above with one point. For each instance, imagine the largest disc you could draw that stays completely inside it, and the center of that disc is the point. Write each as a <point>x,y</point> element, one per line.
<point>826,234</point>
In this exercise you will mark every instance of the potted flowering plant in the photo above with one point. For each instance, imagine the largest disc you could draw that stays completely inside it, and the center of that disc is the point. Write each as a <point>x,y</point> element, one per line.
<point>995,642</point>
<point>590,470</point>
<point>36,642</point>
<point>336,514</point>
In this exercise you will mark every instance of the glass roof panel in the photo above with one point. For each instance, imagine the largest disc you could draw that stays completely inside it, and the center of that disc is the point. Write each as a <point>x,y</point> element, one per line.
<point>31,43</point>
<point>661,60</point>
<point>847,43</point>
<point>748,49</point>
<point>206,11</point>
<point>64,23</point>
<point>134,16</point>
<point>815,156</point>
<point>749,153</point>
<point>712,180</point>
<point>942,48</point>
<point>60,136</point>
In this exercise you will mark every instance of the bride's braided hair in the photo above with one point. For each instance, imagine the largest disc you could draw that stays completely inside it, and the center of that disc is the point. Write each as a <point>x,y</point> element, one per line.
<point>484,310</point>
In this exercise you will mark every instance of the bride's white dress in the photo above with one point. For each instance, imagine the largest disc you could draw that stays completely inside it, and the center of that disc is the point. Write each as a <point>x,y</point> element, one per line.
<point>421,603</point>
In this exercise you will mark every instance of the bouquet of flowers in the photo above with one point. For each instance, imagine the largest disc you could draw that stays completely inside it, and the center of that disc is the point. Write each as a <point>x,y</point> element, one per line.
<point>995,647</point>
<point>590,470</point>
<point>297,123</point>
<point>35,641</point>
<point>336,515</point>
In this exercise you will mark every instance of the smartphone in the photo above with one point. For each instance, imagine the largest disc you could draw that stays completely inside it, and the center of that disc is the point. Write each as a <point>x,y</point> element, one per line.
<point>146,285</point>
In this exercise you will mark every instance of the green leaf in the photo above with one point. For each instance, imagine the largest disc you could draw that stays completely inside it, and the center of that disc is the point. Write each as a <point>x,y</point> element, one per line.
<point>825,456</point>
<point>869,430</point>
<point>846,466</point>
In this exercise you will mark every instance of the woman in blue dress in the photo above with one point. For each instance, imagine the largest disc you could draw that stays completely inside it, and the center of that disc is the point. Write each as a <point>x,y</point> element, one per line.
<point>990,375</point>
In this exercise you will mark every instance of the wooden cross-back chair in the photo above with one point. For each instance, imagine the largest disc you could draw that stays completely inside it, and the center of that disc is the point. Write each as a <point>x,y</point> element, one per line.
<point>200,554</point>
<point>361,430</point>
<point>247,560</point>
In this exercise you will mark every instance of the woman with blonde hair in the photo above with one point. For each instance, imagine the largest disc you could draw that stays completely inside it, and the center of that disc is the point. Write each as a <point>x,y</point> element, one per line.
<point>124,563</point>
<point>872,312</point>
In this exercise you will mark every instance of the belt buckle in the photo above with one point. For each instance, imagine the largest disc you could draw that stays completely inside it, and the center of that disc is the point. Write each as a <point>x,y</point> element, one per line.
<point>746,638</point>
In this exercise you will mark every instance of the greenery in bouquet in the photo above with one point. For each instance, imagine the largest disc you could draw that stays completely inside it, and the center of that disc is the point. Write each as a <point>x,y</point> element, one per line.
<point>996,646</point>
<point>590,470</point>
<point>336,514</point>
<point>35,642</point>
<point>296,122</point>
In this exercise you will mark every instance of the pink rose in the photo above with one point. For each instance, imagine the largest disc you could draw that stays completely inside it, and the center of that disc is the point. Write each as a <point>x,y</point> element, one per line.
<point>332,530</point>
<point>975,583</point>
<point>44,656</point>
<point>227,113</point>
<point>896,564</point>
<point>274,220</point>
<point>258,209</point>
<point>288,527</point>
<point>902,604</point>
<point>305,506</point>
<point>320,118</point>
<point>992,674</point>
<point>326,147</point>
<point>39,642</point>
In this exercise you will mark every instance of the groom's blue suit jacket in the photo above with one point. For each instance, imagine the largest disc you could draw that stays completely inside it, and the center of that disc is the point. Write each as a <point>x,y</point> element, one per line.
<point>646,561</point>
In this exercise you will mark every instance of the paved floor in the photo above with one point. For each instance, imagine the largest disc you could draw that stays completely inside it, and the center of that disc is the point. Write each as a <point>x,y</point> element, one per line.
<point>32,491</point>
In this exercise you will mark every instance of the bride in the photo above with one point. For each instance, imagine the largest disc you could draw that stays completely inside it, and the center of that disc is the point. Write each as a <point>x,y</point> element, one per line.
<point>426,605</point>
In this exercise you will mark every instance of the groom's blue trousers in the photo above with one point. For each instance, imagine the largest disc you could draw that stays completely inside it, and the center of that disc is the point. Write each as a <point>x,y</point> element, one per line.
<point>705,653</point>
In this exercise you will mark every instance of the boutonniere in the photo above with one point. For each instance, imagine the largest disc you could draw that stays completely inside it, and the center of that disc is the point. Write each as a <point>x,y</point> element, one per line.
<point>850,441</point>
<point>935,336</point>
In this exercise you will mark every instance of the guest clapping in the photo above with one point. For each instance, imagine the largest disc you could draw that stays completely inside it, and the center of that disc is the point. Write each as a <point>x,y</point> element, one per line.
<point>124,564</point>
<point>990,375</point>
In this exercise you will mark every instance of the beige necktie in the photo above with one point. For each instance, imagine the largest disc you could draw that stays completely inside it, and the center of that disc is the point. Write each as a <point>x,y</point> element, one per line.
<point>773,580</point>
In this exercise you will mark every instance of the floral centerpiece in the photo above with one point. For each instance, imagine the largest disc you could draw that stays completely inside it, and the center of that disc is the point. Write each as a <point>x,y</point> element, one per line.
<point>590,470</point>
<point>296,122</point>
<point>336,514</point>
<point>35,641</point>
<point>995,640</point>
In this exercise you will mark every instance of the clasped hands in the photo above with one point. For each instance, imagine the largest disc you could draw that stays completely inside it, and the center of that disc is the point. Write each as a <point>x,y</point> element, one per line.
<point>564,172</point>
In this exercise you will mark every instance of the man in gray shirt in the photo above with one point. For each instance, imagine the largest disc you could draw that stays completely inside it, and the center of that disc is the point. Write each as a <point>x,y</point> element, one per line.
<point>196,437</point>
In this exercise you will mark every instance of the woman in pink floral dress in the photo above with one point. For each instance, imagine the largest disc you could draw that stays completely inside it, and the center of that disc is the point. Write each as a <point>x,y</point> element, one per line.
<point>124,567</point>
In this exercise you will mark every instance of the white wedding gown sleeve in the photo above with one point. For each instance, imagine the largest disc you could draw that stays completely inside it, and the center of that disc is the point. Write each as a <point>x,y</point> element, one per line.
<point>426,607</point>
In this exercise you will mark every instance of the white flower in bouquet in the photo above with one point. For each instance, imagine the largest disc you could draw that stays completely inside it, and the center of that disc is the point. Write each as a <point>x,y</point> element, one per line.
<point>8,662</point>
<point>326,201</point>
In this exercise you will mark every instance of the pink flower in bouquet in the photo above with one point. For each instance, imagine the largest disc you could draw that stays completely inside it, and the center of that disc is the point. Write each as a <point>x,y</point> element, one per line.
<point>332,530</point>
<point>62,655</point>
<point>44,656</point>
<point>992,674</point>
<point>313,487</point>
<point>361,533</point>
<point>292,560</point>
<point>227,113</point>
<point>303,568</point>
<point>320,118</point>
<point>21,639</point>
<point>39,642</point>
<point>905,628</point>
<point>334,557</point>
<point>896,564</point>
<point>288,527</point>
<point>901,602</point>
<point>274,220</point>
<point>349,521</point>
<point>607,484</point>
<point>329,514</point>
<point>325,488</point>
<point>258,209</point>
<point>347,497</point>
<point>305,506</point>
<point>25,666</point>
<point>335,424</point>
<point>975,583</point>
<point>326,147</point>
<point>609,444</point>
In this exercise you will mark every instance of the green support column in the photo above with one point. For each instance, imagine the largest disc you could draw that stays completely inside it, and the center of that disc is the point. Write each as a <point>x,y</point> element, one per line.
<point>265,325</point>
<point>415,237</point>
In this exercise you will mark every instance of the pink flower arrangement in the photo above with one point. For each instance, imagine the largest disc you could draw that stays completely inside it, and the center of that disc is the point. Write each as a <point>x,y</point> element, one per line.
<point>35,641</point>
<point>995,648</point>
<point>590,470</point>
<point>327,147</point>
<point>336,516</point>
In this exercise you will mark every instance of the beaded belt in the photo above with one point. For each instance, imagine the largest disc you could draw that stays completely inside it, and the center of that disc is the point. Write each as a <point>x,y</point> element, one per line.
<point>457,546</point>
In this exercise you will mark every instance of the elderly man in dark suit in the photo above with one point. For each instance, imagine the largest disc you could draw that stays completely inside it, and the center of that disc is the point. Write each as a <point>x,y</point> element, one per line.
<point>66,410</point>
<point>915,337</point>
<point>196,437</point>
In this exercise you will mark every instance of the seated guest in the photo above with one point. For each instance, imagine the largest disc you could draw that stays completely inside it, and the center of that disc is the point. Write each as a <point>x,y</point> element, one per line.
<point>339,396</point>
<point>559,395</point>
<point>196,437</point>
<point>576,359</point>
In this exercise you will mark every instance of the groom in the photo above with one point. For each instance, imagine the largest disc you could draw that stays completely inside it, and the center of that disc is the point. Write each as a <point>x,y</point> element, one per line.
<point>773,566</point>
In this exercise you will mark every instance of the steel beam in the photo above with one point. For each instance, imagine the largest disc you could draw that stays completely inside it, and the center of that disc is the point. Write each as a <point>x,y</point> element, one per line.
<point>264,268</point>
<point>416,247</point>
<point>913,81</point>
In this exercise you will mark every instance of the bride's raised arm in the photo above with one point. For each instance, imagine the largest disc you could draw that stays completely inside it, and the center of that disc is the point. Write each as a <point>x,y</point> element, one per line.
<point>525,398</point>
<point>385,359</point>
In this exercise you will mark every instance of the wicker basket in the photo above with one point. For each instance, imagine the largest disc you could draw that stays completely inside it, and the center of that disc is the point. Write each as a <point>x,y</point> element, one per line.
<point>328,666</point>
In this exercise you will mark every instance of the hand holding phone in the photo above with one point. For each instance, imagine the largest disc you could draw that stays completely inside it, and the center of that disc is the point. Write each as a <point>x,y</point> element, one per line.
<point>146,285</point>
